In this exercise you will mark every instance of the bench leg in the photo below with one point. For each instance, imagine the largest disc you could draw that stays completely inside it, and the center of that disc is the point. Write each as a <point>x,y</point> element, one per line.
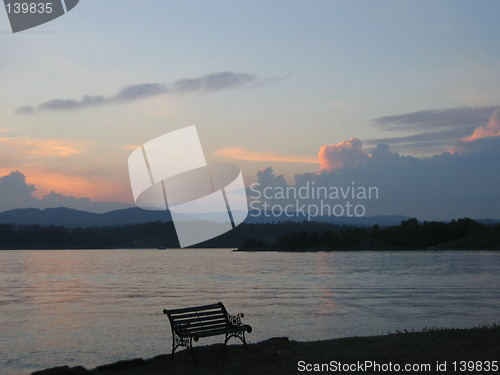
<point>178,341</point>
<point>240,335</point>
<point>191,349</point>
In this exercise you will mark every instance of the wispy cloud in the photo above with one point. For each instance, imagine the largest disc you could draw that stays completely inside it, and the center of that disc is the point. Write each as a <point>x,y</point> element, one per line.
<point>436,129</point>
<point>461,117</point>
<point>130,147</point>
<point>426,143</point>
<point>25,110</point>
<point>243,154</point>
<point>204,84</point>
<point>40,147</point>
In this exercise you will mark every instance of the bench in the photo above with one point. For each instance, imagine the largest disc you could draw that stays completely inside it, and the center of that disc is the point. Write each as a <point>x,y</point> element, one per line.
<point>193,323</point>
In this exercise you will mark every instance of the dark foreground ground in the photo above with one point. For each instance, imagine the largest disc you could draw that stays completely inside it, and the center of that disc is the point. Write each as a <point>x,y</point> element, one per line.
<point>459,351</point>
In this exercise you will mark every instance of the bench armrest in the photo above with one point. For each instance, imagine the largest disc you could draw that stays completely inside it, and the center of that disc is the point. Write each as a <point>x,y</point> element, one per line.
<point>235,320</point>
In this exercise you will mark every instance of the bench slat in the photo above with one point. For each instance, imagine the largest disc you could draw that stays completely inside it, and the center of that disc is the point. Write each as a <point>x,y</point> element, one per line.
<point>207,326</point>
<point>198,323</point>
<point>202,327</point>
<point>188,331</point>
<point>197,317</point>
<point>222,331</point>
<point>196,314</point>
<point>207,329</point>
<point>192,321</point>
<point>196,308</point>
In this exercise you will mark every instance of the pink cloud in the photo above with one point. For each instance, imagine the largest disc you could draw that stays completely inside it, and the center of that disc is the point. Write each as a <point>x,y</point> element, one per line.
<point>344,154</point>
<point>492,129</point>
<point>243,154</point>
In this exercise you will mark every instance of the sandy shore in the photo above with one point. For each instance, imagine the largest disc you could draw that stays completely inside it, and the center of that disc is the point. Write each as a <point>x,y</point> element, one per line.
<point>374,354</point>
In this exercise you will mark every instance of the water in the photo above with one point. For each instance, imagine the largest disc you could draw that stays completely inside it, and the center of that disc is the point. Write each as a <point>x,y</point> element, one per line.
<point>90,307</point>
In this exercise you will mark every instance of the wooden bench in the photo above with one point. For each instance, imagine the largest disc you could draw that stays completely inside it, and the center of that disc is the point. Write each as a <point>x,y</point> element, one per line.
<point>193,323</point>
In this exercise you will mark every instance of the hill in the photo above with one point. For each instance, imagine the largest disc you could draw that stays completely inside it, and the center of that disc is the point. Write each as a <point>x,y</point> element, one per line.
<point>74,218</point>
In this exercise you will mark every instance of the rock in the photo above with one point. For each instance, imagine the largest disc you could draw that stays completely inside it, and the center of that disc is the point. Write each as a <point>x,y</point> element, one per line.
<point>63,370</point>
<point>120,365</point>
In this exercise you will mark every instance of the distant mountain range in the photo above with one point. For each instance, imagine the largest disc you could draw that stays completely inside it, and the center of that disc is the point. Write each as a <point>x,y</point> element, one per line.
<point>74,218</point>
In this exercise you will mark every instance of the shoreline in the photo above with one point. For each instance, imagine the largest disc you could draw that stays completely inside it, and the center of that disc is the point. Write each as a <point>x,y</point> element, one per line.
<point>256,250</point>
<point>280,355</point>
<point>326,250</point>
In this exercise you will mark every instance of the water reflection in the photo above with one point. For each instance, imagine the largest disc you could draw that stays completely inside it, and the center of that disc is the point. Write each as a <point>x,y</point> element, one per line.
<point>93,307</point>
<point>325,270</point>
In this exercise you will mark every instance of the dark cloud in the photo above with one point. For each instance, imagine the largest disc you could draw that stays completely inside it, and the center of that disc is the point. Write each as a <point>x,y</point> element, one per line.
<point>462,117</point>
<point>448,185</point>
<point>68,104</point>
<point>213,82</point>
<point>15,192</point>
<point>448,134</point>
<point>207,83</point>
<point>25,110</point>
<point>266,177</point>
<point>140,91</point>
<point>423,143</point>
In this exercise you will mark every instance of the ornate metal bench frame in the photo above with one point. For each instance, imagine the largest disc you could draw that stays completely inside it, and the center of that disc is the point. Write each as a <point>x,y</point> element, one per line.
<point>193,323</point>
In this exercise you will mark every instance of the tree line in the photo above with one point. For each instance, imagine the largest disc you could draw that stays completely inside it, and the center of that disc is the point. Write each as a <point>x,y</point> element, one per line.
<point>291,236</point>
<point>409,235</point>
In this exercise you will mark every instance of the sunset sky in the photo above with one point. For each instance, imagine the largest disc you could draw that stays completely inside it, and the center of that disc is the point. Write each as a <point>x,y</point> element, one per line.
<point>398,94</point>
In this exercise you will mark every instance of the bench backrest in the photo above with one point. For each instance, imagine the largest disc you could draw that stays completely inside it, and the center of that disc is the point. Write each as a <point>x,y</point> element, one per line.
<point>192,320</point>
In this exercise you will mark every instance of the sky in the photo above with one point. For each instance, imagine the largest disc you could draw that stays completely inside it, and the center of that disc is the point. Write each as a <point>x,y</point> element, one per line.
<point>402,95</point>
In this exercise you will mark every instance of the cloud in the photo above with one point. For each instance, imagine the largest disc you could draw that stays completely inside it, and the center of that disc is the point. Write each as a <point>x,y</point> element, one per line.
<point>438,130</point>
<point>442,136</point>
<point>266,177</point>
<point>492,129</point>
<point>243,154</point>
<point>69,104</point>
<point>423,144</point>
<point>25,110</point>
<point>204,84</point>
<point>213,82</point>
<point>341,155</point>
<point>22,147</point>
<point>140,91</point>
<point>15,193</point>
<point>266,81</point>
<point>461,117</point>
<point>442,187</point>
<point>130,147</point>
<point>56,165</point>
